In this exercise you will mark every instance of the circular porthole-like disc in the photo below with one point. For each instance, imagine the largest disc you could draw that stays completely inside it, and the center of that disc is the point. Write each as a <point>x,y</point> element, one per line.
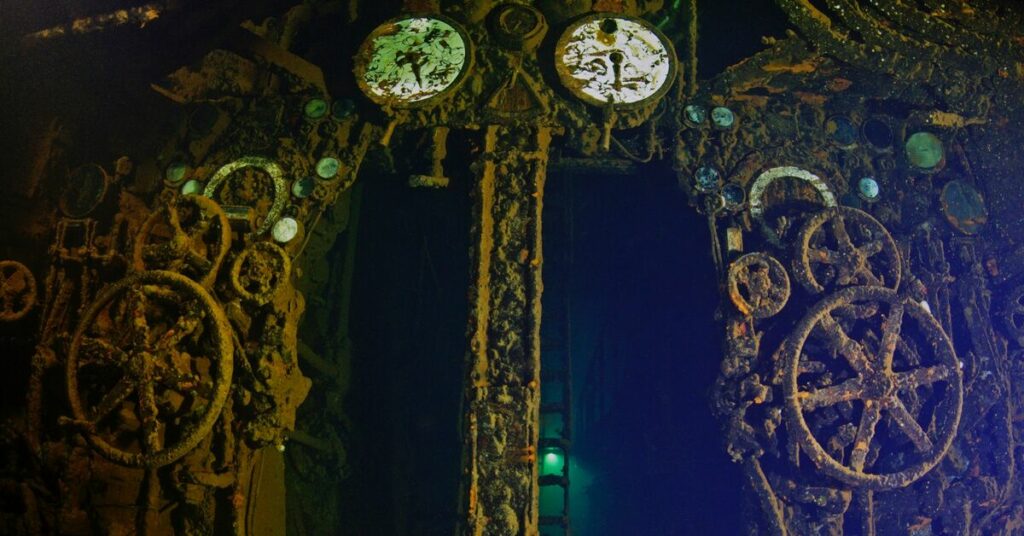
<point>924,150</point>
<point>964,207</point>
<point>85,190</point>
<point>409,61</point>
<point>607,59</point>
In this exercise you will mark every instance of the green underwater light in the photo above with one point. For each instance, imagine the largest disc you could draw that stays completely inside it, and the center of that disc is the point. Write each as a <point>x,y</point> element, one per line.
<point>551,462</point>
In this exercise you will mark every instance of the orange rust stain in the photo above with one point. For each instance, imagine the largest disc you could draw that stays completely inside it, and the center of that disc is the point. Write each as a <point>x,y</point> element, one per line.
<point>795,68</point>
<point>838,84</point>
<point>811,98</point>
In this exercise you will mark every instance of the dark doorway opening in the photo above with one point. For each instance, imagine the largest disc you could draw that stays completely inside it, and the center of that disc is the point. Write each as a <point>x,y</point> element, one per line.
<point>408,346</point>
<point>646,456</point>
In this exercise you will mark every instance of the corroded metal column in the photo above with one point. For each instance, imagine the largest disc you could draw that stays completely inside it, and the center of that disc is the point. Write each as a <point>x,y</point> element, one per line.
<point>502,394</point>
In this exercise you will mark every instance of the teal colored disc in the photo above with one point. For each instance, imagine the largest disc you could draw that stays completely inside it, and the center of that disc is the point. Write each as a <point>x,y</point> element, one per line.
<point>868,189</point>
<point>191,187</point>
<point>722,117</point>
<point>303,187</point>
<point>733,195</point>
<point>696,113</point>
<point>707,179</point>
<point>327,167</point>
<point>924,150</point>
<point>964,207</point>
<point>343,108</point>
<point>315,108</point>
<point>175,172</point>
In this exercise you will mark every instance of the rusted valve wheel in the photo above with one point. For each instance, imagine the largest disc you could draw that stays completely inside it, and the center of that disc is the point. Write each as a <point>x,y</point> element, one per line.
<point>149,368</point>
<point>259,271</point>
<point>17,290</point>
<point>831,360</point>
<point>189,234</point>
<point>758,285</point>
<point>844,246</point>
<point>1013,314</point>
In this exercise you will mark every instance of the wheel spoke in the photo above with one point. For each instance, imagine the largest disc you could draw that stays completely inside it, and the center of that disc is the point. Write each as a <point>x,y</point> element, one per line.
<point>869,277</point>
<point>823,255</point>
<point>865,433</point>
<point>871,248</point>
<point>922,376</point>
<point>102,348</point>
<point>811,367</point>
<point>148,411</point>
<point>908,424</point>
<point>202,226</point>
<point>849,348</point>
<point>890,336</point>
<point>137,303</point>
<point>172,378</point>
<point>910,354</point>
<point>827,396</point>
<point>113,399</point>
<point>183,327</point>
<point>840,232</point>
<point>174,219</point>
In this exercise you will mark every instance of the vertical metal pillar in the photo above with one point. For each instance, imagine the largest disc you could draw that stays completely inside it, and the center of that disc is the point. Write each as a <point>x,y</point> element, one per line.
<point>501,410</point>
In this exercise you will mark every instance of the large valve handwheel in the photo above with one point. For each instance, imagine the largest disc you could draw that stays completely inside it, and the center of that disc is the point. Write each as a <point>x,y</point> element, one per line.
<point>844,246</point>
<point>189,234</point>
<point>758,285</point>
<point>149,368</point>
<point>17,291</point>
<point>912,392</point>
<point>259,271</point>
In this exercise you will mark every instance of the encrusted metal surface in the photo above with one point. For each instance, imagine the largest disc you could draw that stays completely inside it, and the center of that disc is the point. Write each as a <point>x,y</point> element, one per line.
<point>758,285</point>
<point>884,374</point>
<point>17,290</point>
<point>870,154</point>
<point>843,246</point>
<point>188,234</point>
<point>169,345</point>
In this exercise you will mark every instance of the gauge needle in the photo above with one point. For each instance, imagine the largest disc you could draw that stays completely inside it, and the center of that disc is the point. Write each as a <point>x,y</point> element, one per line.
<point>616,58</point>
<point>413,60</point>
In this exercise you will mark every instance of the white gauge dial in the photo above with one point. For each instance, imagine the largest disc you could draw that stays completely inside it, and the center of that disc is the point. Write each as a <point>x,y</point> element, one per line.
<point>408,61</point>
<point>614,60</point>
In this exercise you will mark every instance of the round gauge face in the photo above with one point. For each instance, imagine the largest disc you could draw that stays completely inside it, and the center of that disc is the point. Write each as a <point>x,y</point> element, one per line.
<point>604,59</point>
<point>86,188</point>
<point>409,61</point>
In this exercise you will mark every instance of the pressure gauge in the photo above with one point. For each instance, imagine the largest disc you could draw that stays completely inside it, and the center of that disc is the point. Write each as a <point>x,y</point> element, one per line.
<point>410,61</point>
<point>606,59</point>
<point>84,191</point>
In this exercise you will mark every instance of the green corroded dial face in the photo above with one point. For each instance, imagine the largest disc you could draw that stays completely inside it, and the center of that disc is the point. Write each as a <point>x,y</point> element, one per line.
<point>408,61</point>
<point>614,60</point>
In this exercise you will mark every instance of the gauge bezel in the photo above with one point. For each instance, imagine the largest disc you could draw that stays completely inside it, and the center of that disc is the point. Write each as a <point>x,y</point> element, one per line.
<point>95,200</point>
<point>568,81</point>
<point>364,55</point>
